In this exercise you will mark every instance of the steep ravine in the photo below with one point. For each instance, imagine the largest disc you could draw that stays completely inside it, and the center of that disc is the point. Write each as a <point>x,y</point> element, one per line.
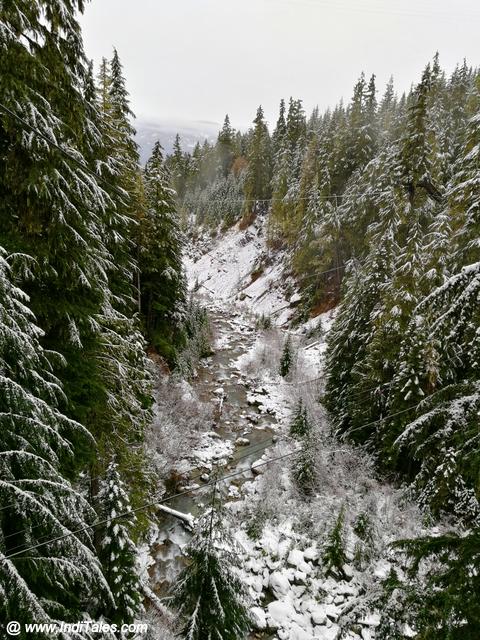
<point>241,432</point>
<point>293,596</point>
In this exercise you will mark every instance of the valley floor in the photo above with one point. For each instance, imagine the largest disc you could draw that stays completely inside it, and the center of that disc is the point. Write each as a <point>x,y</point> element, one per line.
<point>247,408</point>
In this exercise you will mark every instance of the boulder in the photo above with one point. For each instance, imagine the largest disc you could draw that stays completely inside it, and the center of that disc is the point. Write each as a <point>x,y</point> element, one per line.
<point>279,613</point>
<point>259,618</point>
<point>345,589</point>
<point>278,584</point>
<point>311,554</point>
<point>319,615</point>
<point>327,633</point>
<point>258,467</point>
<point>348,572</point>
<point>370,620</point>
<point>331,612</point>
<point>300,577</point>
<point>295,557</point>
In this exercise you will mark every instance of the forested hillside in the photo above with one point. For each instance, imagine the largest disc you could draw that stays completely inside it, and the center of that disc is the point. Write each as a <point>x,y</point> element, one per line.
<point>375,205</point>
<point>85,287</point>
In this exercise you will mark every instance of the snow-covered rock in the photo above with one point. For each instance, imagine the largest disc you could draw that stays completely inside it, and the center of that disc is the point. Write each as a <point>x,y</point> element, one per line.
<point>332,612</point>
<point>294,632</point>
<point>254,565</point>
<point>408,632</point>
<point>259,618</point>
<point>296,559</point>
<point>345,589</point>
<point>348,571</point>
<point>319,615</point>
<point>279,584</point>
<point>279,614</point>
<point>258,467</point>
<point>382,569</point>
<point>326,633</point>
<point>311,554</point>
<point>256,582</point>
<point>300,577</point>
<point>370,620</point>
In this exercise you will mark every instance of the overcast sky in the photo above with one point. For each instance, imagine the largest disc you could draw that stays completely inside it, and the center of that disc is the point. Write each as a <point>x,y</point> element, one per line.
<point>199,59</point>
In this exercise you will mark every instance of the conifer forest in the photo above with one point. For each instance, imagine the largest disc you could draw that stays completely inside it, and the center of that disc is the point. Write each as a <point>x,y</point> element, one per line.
<point>240,388</point>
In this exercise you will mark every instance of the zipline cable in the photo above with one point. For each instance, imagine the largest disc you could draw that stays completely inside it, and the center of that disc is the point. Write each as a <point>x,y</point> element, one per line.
<point>183,493</point>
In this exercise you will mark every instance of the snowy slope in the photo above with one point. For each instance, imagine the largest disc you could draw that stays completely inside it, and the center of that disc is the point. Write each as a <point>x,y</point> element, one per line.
<point>223,267</point>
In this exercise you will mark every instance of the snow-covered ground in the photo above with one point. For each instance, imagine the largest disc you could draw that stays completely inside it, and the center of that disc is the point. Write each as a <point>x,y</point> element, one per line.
<point>238,266</point>
<point>282,535</point>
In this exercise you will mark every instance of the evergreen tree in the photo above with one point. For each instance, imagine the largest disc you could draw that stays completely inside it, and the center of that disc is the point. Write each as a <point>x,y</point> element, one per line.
<point>226,147</point>
<point>280,130</point>
<point>209,594</point>
<point>286,360</point>
<point>304,471</point>
<point>162,287</point>
<point>178,169</point>
<point>123,392</point>
<point>417,148</point>
<point>117,551</point>
<point>257,182</point>
<point>62,578</point>
<point>300,424</point>
<point>441,597</point>
<point>334,557</point>
<point>58,204</point>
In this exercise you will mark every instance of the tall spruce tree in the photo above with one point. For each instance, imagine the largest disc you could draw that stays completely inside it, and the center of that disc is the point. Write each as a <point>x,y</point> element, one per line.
<point>209,594</point>
<point>257,182</point>
<point>162,286</point>
<point>117,551</point>
<point>48,569</point>
<point>225,147</point>
<point>57,205</point>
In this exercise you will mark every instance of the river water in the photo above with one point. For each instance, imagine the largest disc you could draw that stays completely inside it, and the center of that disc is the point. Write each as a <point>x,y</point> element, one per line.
<point>234,336</point>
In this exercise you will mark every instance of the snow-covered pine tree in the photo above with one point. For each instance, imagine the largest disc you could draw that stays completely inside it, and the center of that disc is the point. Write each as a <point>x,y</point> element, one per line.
<point>286,360</point>
<point>162,282</point>
<point>117,155</point>
<point>280,183</point>
<point>209,595</point>
<point>333,556</point>
<point>360,134</point>
<point>62,579</point>
<point>304,464</point>
<point>178,167</point>
<point>300,424</point>
<point>280,130</point>
<point>356,391</point>
<point>56,202</point>
<point>124,390</point>
<point>441,597</point>
<point>117,551</point>
<point>447,465</point>
<point>225,148</point>
<point>257,182</point>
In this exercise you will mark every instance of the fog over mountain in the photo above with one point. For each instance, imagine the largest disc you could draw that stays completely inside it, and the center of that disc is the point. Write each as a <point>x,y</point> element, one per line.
<point>150,130</point>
